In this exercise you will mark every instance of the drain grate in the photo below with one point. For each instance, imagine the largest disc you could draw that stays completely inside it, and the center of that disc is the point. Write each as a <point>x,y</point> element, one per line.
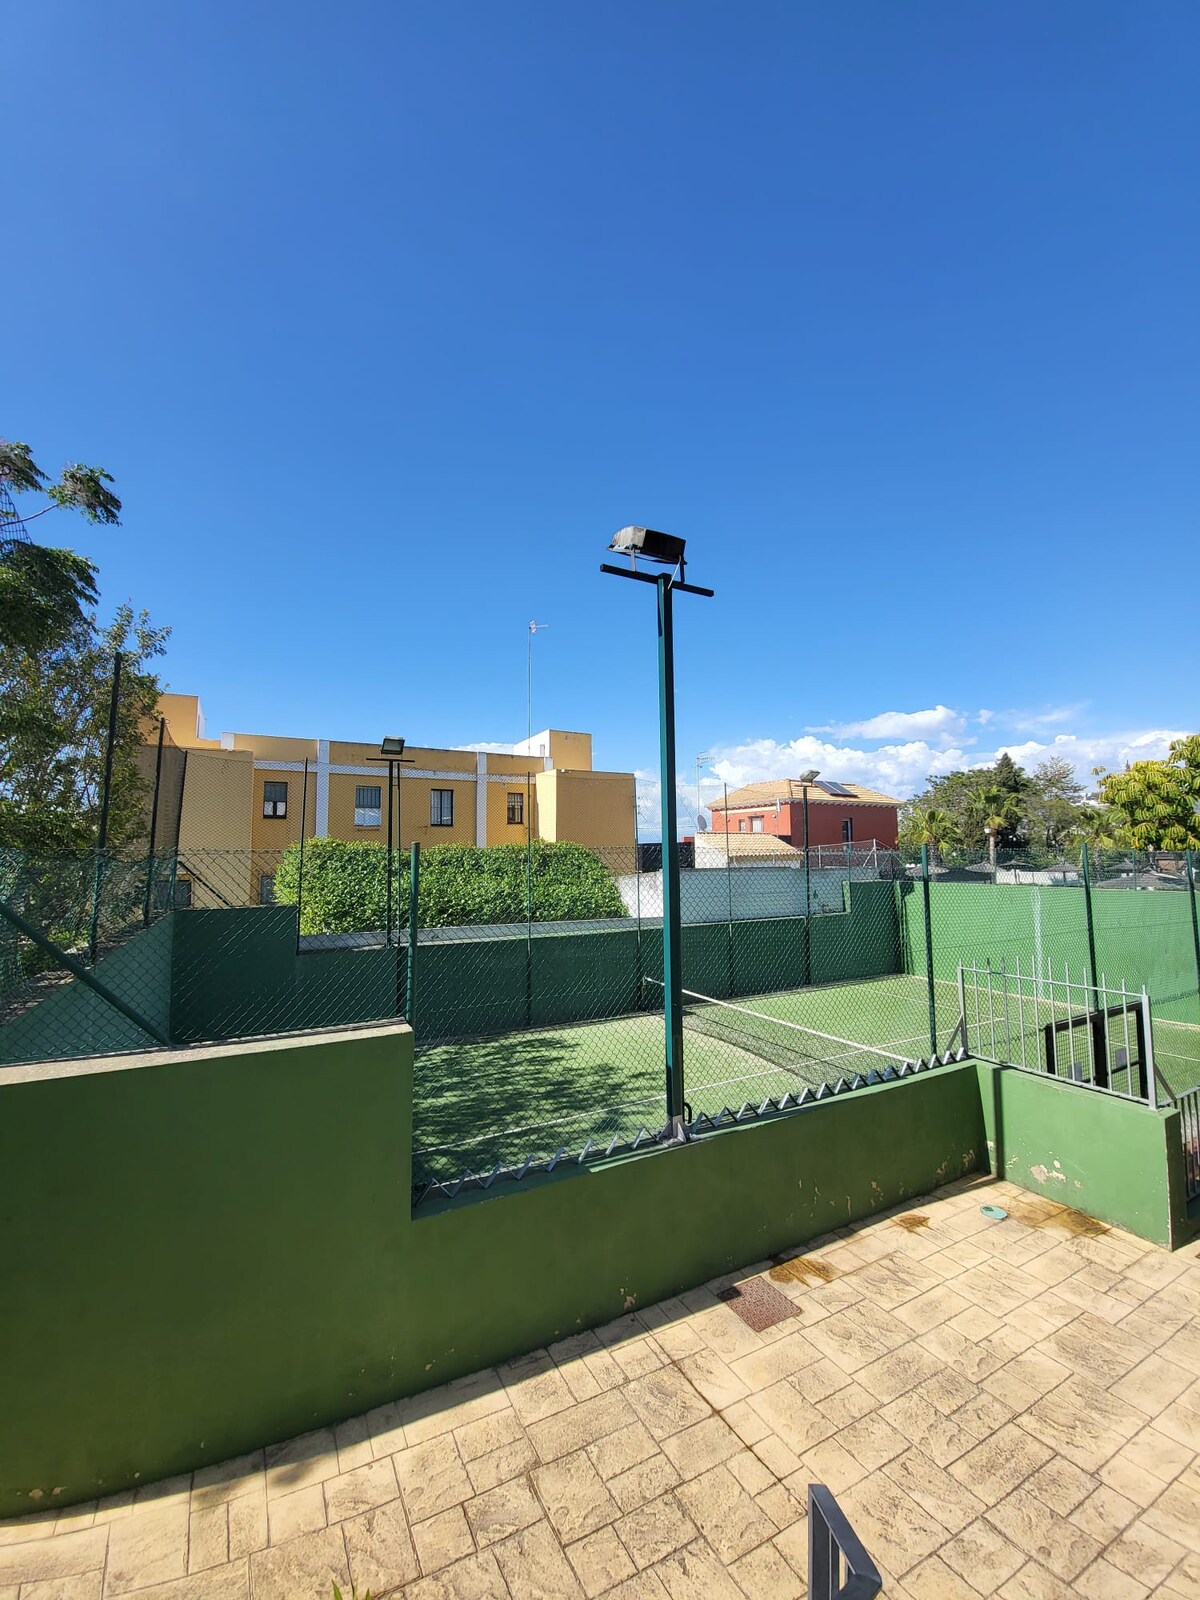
<point>759,1304</point>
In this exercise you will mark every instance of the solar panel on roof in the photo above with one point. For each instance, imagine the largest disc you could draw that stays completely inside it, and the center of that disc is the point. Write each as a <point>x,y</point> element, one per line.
<point>838,789</point>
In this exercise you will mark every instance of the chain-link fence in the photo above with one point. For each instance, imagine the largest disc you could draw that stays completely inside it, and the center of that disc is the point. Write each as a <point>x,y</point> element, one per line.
<point>532,972</point>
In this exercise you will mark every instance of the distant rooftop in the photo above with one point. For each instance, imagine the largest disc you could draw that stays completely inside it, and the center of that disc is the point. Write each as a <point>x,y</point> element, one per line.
<point>786,790</point>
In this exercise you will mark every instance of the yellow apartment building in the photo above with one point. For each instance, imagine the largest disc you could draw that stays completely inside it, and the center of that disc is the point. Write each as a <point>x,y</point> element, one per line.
<point>247,796</point>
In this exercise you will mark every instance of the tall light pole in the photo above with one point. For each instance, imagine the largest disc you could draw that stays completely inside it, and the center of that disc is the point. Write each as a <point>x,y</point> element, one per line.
<point>700,760</point>
<point>533,628</point>
<point>667,550</point>
<point>391,750</point>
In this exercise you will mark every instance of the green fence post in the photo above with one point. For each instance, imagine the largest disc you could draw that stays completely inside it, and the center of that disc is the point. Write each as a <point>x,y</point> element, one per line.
<point>933,1042</point>
<point>1091,926</point>
<point>730,961</point>
<point>1191,877</point>
<point>414,875</point>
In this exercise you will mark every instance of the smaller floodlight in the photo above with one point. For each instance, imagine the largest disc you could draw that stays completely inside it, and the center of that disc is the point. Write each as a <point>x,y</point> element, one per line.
<point>809,777</point>
<point>666,548</point>
<point>392,747</point>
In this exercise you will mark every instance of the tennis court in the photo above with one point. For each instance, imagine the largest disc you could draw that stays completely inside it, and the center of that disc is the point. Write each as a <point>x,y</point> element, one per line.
<point>524,1095</point>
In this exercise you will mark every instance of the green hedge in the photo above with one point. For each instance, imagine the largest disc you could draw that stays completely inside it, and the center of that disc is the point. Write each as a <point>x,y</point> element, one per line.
<point>345,885</point>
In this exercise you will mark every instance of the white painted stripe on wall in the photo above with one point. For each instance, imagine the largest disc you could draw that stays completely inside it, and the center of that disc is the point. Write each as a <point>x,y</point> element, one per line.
<point>322,828</point>
<point>480,797</point>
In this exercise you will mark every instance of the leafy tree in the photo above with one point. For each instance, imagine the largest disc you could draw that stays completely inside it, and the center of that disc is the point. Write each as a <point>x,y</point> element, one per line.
<point>999,812</point>
<point>1053,804</point>
<point>54,705</point>
<point>45,592</point>
<point>955,792</point>
<point>1159,800</point>
<point>933,827</point>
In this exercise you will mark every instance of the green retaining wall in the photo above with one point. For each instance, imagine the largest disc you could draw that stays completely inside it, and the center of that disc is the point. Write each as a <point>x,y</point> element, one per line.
<point>1142,936</point>
<point>73,1020</point>
<point>1115,1159</point>
<point>222,1251</point>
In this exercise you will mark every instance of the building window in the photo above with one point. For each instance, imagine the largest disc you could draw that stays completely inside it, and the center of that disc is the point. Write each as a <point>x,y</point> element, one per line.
<point>743,825</point>
<point>266,889</point>
<point>183,893</point>
<point>441,808</point>
<point>847,830</point>
<point>368,805</point>
<point>516,807</point>
<point>274,799</point>
<point>756,824</point>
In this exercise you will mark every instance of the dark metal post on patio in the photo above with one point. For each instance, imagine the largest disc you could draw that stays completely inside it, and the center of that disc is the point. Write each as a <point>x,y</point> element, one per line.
<point>391,750</point>
<point>667,550</point>
<point>300,869</point>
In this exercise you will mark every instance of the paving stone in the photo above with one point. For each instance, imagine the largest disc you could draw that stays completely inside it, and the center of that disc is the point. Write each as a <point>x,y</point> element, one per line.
<point>227,1480</point>
<point>647,1481</point>
<point>290,1515</point>
<point>208,1538</point>
<point>230,1582</point>
<point>1142,1552</point>
<point>473,1578</point>
<point>380,1549</point>
<point>510,1461</point>
<point>600,1561</point>
<point>533,1564</point>
<point>488,1434</point>
<point>934,1580</point>
<point>729,1519</point>
<point>1104,1514</point>
<point>149,1547</point>
<point>431,1478</point>
<point>362,1489</point>
<point>1176,1513</point>
<point>296,1463</point>
<point>654,1530</point>
<point>765,1575</point>
<point>442,1539</point>
<point>1057,1544</point>
<point>1103,1581</point>
<point>994,1468</point>
<point>83,1586</point>
<point>620,1451</point>
<point>248,1527</point>
<point>353,1441</point>
<point>583,1425</point>
<point>944,1497</point>
<point>302,1569</point>
<point>697,1573</point>
<point>666,1402</point>
<point>503,1511</point>
<point>574,1495</point>
<point>701,1446</point>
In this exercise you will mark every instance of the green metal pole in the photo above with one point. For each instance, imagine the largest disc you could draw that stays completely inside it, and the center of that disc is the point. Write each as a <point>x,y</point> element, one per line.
<point>528,898</point>
<point>1091,926</point>
<point>933,1040</point>
<point>162,728</point>
<point>105,806</point>
<point>1191,874</point>
<point>414,879</point>
<point>807,979</point>
<point>672,920</point>
<point>730,962</point>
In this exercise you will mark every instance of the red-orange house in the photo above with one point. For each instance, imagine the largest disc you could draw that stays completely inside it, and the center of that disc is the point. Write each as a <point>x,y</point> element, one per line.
<point>838,813</point>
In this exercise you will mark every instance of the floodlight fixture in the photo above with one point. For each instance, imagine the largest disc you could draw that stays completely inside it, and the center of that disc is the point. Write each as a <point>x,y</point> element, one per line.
<point>810,776</point>
<point>665,548</point>
<point>391,747</point>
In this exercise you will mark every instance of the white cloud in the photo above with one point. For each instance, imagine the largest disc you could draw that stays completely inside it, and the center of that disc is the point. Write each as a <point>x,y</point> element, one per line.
<point>938,722</point>
<point>1041,721</point>
<point>490,748</point>
<point>984,717</point>
<point>1111,750</point>
<point>898,769</point>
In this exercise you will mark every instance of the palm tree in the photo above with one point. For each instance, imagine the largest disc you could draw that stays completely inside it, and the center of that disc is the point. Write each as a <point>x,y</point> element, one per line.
<point>997,809</point>
<point>935,828</point>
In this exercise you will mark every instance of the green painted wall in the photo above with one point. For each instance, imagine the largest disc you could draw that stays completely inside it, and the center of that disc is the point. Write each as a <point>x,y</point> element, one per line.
<point>222,1252</point>
<point>1094,1152</point>
<point>72,1020</point>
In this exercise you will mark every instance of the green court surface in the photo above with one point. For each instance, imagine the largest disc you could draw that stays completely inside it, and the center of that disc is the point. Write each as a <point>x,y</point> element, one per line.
<point>524,1095</point>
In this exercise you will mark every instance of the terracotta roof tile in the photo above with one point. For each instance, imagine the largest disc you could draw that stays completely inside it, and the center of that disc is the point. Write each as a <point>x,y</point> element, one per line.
<point>787,789</point>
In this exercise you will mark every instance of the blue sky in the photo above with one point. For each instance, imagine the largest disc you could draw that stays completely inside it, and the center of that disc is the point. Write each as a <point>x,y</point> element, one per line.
<point>384,316</point>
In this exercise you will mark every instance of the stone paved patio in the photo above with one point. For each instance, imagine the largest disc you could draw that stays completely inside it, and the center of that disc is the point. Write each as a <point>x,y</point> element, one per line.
<point>1007,1409</point>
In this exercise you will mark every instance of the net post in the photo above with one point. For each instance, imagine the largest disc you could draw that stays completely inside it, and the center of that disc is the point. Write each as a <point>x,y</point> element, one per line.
<point>528,899</point>
<point>1146,1069</point>
<point>962,1008</point>
<point>928,948</point>
<point>730,963</point>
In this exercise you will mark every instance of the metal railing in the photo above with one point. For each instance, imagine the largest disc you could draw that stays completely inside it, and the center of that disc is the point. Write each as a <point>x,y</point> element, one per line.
<point>1189,1127</point>
<point>1091,1033</point>
<point>838,1566</point>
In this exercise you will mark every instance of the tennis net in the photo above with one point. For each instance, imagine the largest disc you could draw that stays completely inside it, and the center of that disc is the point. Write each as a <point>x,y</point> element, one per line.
<point>790,1045</point>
